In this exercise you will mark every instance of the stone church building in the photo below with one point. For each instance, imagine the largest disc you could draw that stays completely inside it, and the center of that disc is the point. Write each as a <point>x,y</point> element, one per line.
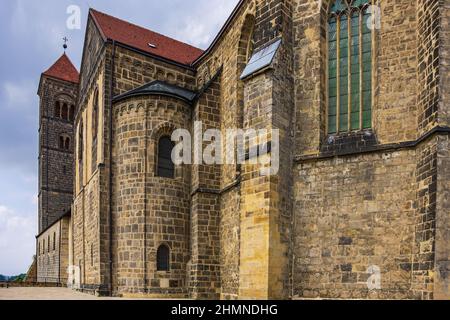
<point>360,205</point>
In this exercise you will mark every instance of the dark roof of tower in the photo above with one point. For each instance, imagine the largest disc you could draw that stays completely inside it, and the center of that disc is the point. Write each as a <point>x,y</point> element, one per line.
<point>159,88</point>
<point>145,40</point>
<point>63,69</point>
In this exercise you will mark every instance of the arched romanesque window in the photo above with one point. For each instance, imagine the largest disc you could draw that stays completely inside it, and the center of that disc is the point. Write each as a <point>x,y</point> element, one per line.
<point>61,142</point>
<point>95,115</point>
<point>71,112</point>
<point>67,144</point>
<point>57,113</point>
<point>349,66</point>
<point>65,112</point>
<point>166,167</point>
<point>163,258</point>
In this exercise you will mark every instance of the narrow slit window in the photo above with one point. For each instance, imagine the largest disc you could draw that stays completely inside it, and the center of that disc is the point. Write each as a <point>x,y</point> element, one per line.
<point>80,142</point>
<point>65,112</point>
<point>95,116</point>
<point>166,167</point>
<point>57,113</point>
<point>67,144</point>
<point>71,112</point>
<point>163,258</point>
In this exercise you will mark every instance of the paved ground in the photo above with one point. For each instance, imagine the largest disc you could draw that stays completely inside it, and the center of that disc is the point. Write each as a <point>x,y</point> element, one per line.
<point>44,294</point>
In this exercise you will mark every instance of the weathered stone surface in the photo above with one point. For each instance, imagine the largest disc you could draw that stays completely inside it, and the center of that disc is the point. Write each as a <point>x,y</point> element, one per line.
<point>338,209</point>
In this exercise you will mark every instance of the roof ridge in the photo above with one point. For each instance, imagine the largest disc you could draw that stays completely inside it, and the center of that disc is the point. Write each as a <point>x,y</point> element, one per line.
<point>144,28</point>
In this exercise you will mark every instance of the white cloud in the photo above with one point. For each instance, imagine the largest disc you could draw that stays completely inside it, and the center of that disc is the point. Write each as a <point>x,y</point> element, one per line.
<point>17,244</point>
<point>20,94</point>
<point>31,17</point>
<point>199,28</point>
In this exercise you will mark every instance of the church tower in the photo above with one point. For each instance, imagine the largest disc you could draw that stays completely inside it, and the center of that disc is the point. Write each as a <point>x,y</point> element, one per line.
<point>58,91</point>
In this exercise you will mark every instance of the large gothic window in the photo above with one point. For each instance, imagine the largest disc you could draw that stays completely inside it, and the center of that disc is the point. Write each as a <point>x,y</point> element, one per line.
<point>166,167</point>
<point>349,66</point>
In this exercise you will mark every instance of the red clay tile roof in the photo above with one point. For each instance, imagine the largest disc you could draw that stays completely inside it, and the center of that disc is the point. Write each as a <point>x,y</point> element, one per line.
<point>139,38</point>
<point>63,69</point>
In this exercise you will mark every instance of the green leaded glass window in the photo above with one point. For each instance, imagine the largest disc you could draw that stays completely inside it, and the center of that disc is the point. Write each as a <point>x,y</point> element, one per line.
<point>349,66</point>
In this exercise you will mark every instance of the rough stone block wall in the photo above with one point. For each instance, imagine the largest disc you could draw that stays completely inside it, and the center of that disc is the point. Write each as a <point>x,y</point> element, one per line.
<point>230,57</point>
<point>78,233</point>
<point>352,213</point>
<point>148,210</point>
<point>133,69</point>
<point>92,55</point>
<point>88,218</point>
<point>55,163</point>
<point>255,198</point>
<point>395,72</point>
<point>423,259</point>
<point>204,267</point>
<point>86,236</point>
<point>229,243</point>
<point>428,55</point>
<point>64,246</point>
<point>130,70</point>
<point>442,236</point>
<point>52,253</point>
<point>444,52</point>
<point>91,233</point>
<point>129,199</point>
<point>309,25</point>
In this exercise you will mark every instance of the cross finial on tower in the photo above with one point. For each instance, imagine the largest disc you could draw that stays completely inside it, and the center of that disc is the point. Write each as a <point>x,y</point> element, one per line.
<point>65,43</point>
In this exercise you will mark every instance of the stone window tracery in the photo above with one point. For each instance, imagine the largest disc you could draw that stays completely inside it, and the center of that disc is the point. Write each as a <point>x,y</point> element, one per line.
<point>349,66</point>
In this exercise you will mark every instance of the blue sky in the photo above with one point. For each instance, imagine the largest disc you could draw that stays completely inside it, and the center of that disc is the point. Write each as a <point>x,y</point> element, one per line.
<point>31,40</point>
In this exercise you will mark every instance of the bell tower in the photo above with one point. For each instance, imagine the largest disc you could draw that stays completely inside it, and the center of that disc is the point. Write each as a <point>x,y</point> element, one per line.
<point>58,91</point>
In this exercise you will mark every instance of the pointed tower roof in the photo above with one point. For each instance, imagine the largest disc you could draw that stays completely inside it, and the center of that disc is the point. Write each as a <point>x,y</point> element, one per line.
<point>63,69</point>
